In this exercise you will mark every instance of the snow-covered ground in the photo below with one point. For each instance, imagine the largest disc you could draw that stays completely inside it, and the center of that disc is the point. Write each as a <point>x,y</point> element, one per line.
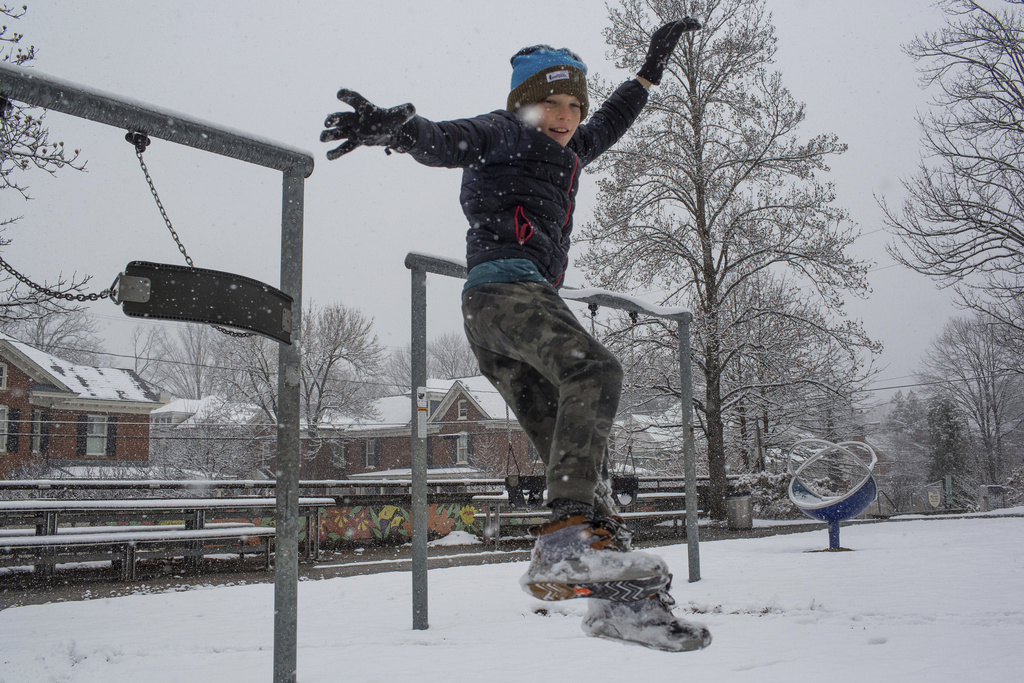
<point>918,600</point>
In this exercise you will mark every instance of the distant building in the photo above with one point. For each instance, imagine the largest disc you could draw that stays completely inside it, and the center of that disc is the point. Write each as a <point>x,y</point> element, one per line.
<point>649,445</point>
<point>210,437</point>
<point>469,434</point>
<point>57,414</point>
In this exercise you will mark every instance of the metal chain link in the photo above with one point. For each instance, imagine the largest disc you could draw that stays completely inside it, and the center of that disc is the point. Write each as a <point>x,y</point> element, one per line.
<point>139,147</point>
<point>141,141</point>
<point>105,294</point>
<point>232,333</point>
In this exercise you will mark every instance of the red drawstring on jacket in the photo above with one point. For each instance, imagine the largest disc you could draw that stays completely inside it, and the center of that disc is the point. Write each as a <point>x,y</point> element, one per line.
<point>522,226</point>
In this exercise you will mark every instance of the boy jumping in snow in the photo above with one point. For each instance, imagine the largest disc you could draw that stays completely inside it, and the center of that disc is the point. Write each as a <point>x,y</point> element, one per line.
<point>521,174</point>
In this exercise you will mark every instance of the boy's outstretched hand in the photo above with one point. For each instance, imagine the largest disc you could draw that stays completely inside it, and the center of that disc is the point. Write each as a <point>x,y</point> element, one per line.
<point>367,125</point>
<point>663,42</point>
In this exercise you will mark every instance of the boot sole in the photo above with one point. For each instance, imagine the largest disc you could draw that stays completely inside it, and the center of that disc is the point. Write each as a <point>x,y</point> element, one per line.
<point>628,590</point>
<point>698,641</point>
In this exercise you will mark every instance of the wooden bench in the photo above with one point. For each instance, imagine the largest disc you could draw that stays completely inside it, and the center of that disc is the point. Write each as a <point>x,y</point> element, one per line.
<point>123,546</point>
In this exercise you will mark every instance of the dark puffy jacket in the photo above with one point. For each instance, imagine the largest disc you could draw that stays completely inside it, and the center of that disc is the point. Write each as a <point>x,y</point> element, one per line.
<point>519,186</point>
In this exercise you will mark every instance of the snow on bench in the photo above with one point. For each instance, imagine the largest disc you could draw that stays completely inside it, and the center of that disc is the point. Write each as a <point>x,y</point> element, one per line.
<point>123,547</point>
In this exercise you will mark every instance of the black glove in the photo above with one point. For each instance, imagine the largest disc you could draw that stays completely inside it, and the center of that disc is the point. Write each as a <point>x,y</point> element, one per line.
<point>663,42</point>
<point>367,125</point>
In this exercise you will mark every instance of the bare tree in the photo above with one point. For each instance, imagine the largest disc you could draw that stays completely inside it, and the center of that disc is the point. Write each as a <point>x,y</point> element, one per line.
<point>449,356</point>
<point>396,371</point>
<point>252,373</point>
<point>341,358</point>
<point>69,334</point>
<point>146,342</point>
<point>792,368</point>
<point>187,364</point>
<point>26,148</point>
<point>962,221</point>
<point>340,354</point>
<point>713,186</point>
<point>968,364</point>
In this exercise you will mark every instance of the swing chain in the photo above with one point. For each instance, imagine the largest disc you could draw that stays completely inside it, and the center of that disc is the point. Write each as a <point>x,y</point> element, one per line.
<point>141,141</point>
<point>105,294</point>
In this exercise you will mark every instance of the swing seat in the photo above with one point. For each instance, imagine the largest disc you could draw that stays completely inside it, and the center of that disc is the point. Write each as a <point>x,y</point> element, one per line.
<point>525,490</point>
<point>625,489</point>
<point>171,292</point>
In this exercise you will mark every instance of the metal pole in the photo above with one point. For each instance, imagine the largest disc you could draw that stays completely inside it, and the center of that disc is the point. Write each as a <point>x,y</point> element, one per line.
<point>833,535</point>
<point>419,450</point>
<point>41,90</point>
<point>289,456</point>
<point>689,452</point>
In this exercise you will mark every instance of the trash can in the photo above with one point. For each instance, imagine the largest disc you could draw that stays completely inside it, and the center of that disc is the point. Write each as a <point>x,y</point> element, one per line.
<point>738,511</point>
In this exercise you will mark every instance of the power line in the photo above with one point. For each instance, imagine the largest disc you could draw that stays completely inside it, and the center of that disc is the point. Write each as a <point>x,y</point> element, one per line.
<point>954,380</point>
<point>372,383</point>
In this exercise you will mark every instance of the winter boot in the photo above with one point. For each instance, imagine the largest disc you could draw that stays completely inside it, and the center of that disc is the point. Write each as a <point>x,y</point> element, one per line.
<point>579,557</point>
<point>648,622</point>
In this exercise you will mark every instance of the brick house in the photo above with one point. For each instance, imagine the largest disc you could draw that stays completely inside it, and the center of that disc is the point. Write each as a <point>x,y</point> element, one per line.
<point>57,414</point>
<point>467,435</point>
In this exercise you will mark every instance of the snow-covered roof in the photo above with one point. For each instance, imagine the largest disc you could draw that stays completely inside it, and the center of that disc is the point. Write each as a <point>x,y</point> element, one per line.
<point>117,471</point>
<point>661,428</point>
<point>405,473</point>
<point>209,408</point>
<point>85,381</point>
<point>184,406</point>
<point>395,411</point>
<point>486,396</point>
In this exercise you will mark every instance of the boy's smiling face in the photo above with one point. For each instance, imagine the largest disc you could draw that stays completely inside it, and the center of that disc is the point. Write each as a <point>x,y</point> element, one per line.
<point>557,116</point>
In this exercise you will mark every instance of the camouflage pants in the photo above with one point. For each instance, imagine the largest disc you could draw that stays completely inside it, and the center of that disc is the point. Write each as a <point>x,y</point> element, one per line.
<point>562,385</point>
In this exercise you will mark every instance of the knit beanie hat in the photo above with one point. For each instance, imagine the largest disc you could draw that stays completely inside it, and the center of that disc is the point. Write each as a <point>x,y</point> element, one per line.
<point>541,70</point>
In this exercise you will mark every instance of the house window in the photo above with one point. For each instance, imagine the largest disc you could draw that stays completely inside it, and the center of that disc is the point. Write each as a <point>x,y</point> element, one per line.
<point>462,450</point>
<point>463,409</point>
<point>3,376</point>
<point>37,431</point>
<point>3,429</point>
<point>371,456</point>
<point>96,435</point>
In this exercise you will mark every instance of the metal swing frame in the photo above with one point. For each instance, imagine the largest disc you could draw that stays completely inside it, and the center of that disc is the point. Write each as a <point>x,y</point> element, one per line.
<point>41,90</point>
<point>420,265</point>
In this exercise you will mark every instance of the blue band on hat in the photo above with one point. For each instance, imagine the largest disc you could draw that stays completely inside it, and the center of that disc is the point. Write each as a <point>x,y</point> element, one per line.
<point>526,65</point>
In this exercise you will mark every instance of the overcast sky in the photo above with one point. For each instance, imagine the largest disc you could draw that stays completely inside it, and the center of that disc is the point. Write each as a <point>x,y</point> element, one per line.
<point>272,69</point>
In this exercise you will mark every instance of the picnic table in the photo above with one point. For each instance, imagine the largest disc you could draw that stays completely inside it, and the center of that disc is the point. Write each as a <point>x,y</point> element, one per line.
<point>58,537</point>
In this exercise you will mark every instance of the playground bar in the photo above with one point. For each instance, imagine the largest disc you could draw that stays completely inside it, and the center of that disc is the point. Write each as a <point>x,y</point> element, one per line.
<point>37,89</point>
<point>40,90</point>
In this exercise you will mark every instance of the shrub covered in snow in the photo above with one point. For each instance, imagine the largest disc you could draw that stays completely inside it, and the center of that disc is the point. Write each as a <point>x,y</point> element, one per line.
<point>769,495</point>
<point>1015,484</point>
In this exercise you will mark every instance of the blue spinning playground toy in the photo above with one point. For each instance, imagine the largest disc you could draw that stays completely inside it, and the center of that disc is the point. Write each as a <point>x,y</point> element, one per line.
<point>832,482</point>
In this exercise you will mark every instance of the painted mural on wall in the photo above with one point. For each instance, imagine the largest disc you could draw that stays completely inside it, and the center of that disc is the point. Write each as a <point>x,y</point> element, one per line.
<point>392,523</point>
<point>384,522</point>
